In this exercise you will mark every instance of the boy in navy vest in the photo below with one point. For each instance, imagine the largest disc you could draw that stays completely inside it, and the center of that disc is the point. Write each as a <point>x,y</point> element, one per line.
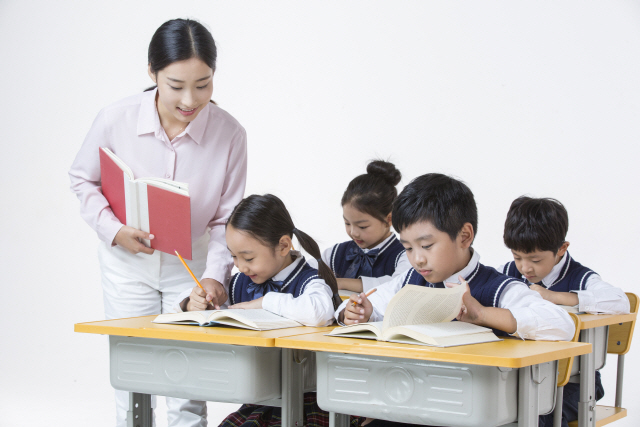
<point>535,231</point>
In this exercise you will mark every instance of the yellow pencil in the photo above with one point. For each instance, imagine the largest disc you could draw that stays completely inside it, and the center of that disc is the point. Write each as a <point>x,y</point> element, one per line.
<point>190,272</point>
<point>366,295</point>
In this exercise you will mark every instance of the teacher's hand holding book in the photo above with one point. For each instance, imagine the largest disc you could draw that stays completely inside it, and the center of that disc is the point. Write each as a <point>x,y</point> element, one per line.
<point>130,239</point>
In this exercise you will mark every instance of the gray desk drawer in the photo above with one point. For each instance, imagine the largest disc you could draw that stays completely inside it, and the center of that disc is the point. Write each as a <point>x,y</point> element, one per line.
<point>192,370</point>
<point>435,393</point>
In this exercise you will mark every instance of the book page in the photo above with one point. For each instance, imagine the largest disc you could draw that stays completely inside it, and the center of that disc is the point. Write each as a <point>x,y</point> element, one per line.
<point>416,305</point>
<point>371,330</point>
<point>187,317</point>
<point>256,318</point>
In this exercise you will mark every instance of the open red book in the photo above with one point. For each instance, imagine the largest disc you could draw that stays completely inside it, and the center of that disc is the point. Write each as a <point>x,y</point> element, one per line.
<point>159,206</point>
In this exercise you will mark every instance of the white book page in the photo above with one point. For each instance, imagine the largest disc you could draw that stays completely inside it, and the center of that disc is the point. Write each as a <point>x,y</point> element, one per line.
<point>128,173</point>
<point>257,318</point>
<point>415,305</point>
<point>449,329</point>
<point>368,327</point>
<point>199,317</point>
<point>166,184</point>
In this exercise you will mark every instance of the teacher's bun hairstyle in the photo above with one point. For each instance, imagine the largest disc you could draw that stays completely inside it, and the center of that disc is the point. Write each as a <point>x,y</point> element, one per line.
<point>179,40</point>
<point>374,192</point>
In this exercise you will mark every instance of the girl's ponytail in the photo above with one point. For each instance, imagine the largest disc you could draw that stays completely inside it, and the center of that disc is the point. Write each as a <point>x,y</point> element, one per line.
<point>324,271</point>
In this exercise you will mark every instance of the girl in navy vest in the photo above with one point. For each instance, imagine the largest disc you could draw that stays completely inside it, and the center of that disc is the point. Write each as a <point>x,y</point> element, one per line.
<point>373,255</point>
<point>535,230</point>
<point>276,278</point>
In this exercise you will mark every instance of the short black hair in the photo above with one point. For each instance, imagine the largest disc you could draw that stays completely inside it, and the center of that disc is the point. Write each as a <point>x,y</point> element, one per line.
<point>536,224</point>
<point>440,199</point>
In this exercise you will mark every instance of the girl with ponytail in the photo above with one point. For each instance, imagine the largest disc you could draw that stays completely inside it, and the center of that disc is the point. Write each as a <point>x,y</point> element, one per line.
<point>373,255</point>
<point>276,278</point>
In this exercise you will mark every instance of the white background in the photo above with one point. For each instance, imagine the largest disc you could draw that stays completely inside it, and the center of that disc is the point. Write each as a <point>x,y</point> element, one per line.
<point>512,97</point>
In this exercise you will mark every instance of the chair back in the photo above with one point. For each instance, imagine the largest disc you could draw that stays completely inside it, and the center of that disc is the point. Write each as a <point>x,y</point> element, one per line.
<point>620,334</point>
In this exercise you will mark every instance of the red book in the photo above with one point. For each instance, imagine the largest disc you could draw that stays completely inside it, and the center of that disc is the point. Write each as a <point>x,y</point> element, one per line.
<point>159,206</point>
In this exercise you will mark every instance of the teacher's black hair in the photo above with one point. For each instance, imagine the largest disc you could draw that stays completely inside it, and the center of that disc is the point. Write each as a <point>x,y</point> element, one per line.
<point>179,40</point>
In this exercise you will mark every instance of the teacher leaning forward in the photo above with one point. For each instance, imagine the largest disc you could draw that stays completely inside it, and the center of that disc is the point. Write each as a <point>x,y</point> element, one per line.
<point>171,131</point>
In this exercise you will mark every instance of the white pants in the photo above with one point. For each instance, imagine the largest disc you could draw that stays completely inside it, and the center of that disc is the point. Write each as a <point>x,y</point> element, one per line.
<point>140,285</point>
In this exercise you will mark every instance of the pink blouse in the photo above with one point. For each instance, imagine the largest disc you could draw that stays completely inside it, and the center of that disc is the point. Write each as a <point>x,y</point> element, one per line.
<point>210,155</point>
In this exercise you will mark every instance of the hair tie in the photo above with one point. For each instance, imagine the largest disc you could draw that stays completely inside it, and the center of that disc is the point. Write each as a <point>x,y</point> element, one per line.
<point>294,230</point>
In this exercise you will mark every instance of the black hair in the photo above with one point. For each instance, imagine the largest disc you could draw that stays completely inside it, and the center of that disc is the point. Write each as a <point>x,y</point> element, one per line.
<point>374,192</point>
<point>179,40</point>
<point>536,224</point>
<point>440,199</point>
<point>266,218</point>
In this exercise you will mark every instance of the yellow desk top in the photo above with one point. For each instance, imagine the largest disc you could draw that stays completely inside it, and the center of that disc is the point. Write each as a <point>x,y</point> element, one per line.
<point>588,321</point>
<point>510,353</point>
<point>143,328</point>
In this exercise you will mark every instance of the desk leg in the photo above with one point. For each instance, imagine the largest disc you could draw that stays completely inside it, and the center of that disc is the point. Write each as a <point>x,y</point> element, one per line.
<point>140,413</point>
<point>528,402</point>
<point>587,404</point>
<point>557,412</point>
<point>338,420</point>
<point>292,392</point>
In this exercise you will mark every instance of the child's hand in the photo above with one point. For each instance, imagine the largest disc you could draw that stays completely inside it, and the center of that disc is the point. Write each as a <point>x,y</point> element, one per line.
<point>216,293</point>
<point>544,292</point>
<point>198,300</point>
<point>256,303</point>
<point>358,313</point>
<point>130,239</point>
<point>471,311</point>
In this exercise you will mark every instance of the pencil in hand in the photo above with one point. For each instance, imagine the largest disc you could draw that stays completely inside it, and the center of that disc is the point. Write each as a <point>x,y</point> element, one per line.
<point>190,272</point>
<point>366,295</point>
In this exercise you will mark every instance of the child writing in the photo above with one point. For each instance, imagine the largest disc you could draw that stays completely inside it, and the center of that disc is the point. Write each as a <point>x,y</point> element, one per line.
<point>274,277</point>
<point>436,217</point>
<point>535,230</point>
<point>373,255</point>
<point>172,131</point>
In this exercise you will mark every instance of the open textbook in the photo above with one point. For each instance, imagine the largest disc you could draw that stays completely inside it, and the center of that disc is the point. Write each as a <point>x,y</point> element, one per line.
<point>255,319</point>
<point>421,315</point>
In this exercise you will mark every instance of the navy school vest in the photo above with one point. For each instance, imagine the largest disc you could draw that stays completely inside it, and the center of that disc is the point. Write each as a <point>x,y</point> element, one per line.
<point>384,265</point>
<point>572,277</point>
<point>485,283</point>
<point>294,284</point>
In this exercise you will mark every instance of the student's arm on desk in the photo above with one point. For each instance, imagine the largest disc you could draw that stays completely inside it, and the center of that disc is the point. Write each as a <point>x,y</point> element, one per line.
<point>599,297</point>
<point>313,308</point>
<point>536,318</point>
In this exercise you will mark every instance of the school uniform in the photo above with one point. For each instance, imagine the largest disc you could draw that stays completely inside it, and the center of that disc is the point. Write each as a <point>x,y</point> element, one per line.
<point>594,296</point>
<point>298,293</point>
<point>210,155</point>
<point>373,266</point>
<point>536,318</point>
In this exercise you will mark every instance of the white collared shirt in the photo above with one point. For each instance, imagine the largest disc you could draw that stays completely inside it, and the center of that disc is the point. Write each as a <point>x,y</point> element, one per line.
<point>536,318</point>
<point>369,283</point>
<point>314,307</point>
<point>599,297</point>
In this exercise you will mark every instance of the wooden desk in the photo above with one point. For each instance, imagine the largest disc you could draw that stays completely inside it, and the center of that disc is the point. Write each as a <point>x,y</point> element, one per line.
<point>525,357</point>
<point>587,416</point>
<point>188,361</point>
